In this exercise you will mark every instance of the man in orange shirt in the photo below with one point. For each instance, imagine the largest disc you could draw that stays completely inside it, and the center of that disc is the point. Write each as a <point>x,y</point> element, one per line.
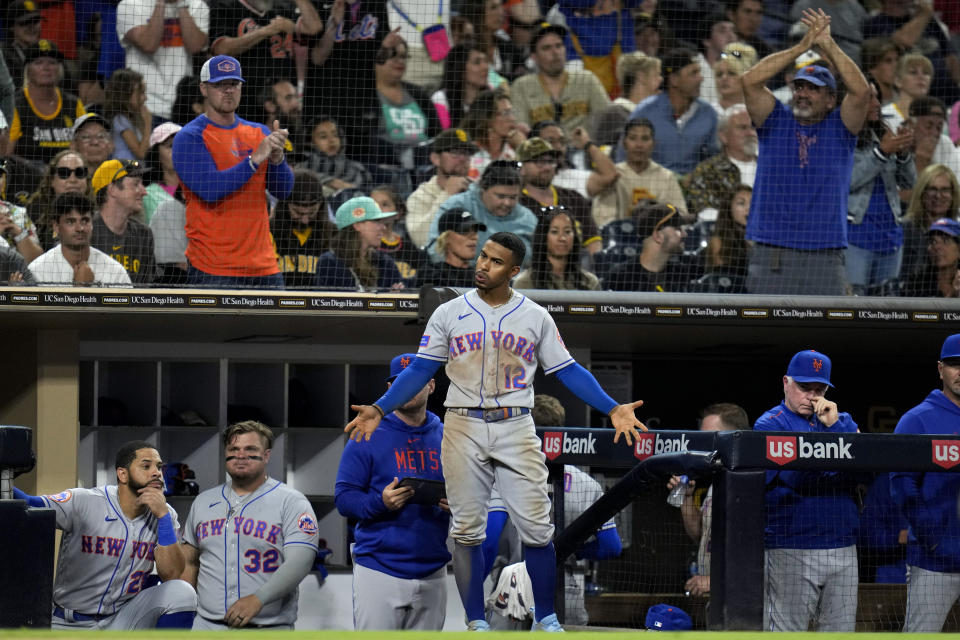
<point>226,164</point>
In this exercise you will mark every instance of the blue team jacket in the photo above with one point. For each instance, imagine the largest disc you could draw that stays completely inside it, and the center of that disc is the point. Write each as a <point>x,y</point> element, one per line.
<point>410,542</point>
<point>808,509</point>
<point>929,500</point>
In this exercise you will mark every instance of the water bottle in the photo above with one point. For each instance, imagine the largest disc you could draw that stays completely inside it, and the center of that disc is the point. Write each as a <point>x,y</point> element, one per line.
<point>675,499</point>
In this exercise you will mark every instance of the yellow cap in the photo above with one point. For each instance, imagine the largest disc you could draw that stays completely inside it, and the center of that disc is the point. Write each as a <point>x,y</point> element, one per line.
<point>112,170</point>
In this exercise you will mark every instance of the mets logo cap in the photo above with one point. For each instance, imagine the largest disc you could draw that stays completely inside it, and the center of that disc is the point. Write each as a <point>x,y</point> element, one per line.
<point>810,366</point>
<point>360,209</point>
<point>398,364</point>
<point>665,617</point>
<point>219,68</point>
<point>816,75</point>
<point>951,347</point>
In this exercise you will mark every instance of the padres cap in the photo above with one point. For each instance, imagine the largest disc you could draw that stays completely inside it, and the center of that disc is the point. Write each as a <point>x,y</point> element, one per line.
<point>534,148</point>
<point>543,29</point>
<point>23,11</point>
<point>951,347</point>
<point>113,170</point>
<point>360,209</point>
<point>398,364</point>
<point>459,220</point>
<point>42,49</point>
<point>453,140</point>
<point>219,68</point>
<point>810,366</point>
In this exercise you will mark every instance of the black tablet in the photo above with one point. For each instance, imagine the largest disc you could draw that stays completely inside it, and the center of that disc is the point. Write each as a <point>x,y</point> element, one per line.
<point>425,491</point>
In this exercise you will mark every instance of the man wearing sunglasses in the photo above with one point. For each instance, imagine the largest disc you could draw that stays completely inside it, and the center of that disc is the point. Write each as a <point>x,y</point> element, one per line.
<point>118,187</point>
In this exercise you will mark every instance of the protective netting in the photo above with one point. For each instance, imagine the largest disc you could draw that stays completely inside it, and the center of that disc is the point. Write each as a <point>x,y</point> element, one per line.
<point>610,107</point>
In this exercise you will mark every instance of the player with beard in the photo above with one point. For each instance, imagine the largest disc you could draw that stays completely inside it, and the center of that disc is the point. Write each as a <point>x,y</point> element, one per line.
<point>113,538</point>
<point>798,218</point>
<point>249,542</point>
<point>401,538</point>
<point>538,167</point>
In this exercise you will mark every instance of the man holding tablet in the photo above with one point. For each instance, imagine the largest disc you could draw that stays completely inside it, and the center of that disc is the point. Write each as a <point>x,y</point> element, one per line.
<point>400,554</point>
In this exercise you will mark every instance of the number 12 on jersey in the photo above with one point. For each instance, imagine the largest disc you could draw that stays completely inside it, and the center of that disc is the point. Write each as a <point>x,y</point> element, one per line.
<point>512,379</point>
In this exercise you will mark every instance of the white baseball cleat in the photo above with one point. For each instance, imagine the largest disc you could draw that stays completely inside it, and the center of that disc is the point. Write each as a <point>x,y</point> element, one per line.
<point>550,624</point>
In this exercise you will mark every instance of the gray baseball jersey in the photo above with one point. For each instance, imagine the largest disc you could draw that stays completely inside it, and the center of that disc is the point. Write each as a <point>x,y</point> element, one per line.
<point>492,353</point>
<point>241,539</point>
<point>104,556</point>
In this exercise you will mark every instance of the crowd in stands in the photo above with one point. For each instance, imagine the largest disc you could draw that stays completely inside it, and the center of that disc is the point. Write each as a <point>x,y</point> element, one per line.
<point>719,146</point>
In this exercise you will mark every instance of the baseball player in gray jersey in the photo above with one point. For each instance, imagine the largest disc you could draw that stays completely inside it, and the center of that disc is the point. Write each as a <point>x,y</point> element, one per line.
<point>248,543</point>
<point>492,340</point>
<point>113,537</point>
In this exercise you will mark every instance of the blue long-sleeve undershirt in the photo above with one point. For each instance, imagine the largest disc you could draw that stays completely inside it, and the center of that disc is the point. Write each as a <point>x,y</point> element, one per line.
<point>209,183</point>
<point>33,501</point>
<point>407,384</point>
<point>582,383</point>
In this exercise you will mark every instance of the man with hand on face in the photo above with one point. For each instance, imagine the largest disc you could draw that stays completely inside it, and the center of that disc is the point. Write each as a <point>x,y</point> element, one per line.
<point>401,540</point>
<point>113,538</point>
<point>74,261</point>
<point>249,542</point>
<point>812,517</point>
<point>226,164</point>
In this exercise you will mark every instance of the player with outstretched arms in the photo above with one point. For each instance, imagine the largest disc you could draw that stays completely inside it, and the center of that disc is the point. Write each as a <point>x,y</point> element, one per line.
<point>492,339</point>
<point>113,537</point>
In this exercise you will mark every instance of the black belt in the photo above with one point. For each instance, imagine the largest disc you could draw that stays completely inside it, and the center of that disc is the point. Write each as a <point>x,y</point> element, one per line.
<point>248,625</point>
<point>491,415</point>
<point>76,616</point>
<point>824,250</point>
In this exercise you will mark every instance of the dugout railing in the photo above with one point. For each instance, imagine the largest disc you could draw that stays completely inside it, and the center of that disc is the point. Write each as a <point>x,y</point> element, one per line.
<point>737,462</point>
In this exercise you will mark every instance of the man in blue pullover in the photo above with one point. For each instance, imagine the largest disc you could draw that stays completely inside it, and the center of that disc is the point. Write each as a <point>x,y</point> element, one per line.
<point>811,555</point>
<point>929,502</point>
<point>400,554</point>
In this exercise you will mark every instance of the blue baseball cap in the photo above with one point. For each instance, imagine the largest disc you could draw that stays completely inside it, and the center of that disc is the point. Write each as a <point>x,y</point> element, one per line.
<point>948,226</point>
<point>398,364</point>
<point>951,347</point>
<point>219,68</point>
<point>816,75</point>
<point>665,617</point>
<point>810,366</point>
